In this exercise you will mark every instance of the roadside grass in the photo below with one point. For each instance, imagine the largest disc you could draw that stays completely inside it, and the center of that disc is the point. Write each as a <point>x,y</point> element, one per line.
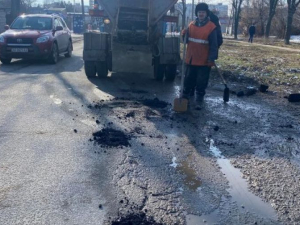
<point>278,68</point>
<point>267,41</point>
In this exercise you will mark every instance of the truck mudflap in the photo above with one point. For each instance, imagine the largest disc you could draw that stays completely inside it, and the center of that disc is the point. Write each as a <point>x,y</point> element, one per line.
<point>169,50</point>
<point>131,58</point>
<point>97,54</point>
<point>166,58</point>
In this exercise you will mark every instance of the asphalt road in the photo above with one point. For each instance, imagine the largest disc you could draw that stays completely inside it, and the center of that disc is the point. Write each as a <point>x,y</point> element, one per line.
<point>176,170</point>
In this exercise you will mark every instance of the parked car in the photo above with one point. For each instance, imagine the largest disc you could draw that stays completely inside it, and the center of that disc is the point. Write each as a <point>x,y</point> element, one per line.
<point>34,37</point>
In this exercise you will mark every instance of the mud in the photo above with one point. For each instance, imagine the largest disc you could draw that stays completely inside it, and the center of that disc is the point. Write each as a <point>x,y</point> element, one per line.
<point>135,91</point>
<point>109,137</point>
<point>155,103</point>
<point>136,219</point>
<point>170,169</point>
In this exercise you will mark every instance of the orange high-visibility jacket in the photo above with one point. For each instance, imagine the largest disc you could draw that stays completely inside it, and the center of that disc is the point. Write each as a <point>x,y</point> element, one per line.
<point>198,45</point>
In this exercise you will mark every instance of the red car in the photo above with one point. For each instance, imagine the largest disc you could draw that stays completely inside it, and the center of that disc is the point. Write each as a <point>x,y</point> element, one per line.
<point>35,37</point>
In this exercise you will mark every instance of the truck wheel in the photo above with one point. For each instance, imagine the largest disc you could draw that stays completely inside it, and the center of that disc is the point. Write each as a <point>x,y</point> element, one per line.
<point>102,69</point>
<point>90,68</point>
<point>109,61</point>
<point>5,61</point>
<point>171,72</point>
<point>159,70</point>
<point>53,58</point>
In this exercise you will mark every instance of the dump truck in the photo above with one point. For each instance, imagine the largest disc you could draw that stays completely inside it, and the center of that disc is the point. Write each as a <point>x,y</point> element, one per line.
<point>133,40</point>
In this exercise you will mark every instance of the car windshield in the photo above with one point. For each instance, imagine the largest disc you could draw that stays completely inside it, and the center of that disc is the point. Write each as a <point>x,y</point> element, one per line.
<point>32,23</point>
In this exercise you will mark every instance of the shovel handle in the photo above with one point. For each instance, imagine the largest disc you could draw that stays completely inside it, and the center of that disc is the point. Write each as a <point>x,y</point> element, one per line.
<point>183,66</point>
<point>220,74</point>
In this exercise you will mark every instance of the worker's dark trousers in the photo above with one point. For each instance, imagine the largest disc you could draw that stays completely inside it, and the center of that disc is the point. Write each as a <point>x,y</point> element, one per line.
<point>196,76</point>
<point>251,38</point>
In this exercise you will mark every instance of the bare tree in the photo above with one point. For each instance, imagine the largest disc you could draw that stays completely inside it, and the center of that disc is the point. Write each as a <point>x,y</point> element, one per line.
<point>272,10</point>
<point>292,7</point>
<point>26,5</point>
<point>237,8</point>
<point>260,6</point>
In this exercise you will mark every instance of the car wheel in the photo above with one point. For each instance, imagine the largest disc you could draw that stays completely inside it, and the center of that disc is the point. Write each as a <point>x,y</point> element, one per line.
<point>102,69</point>
<point>171,72</point>
<point>5,61</point>
<point>53,58</point>
<point>90,68</point>
<point>69,51</point>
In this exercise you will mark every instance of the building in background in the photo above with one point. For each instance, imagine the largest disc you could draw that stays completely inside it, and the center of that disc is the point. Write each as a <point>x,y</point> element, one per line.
<point>4,12</point>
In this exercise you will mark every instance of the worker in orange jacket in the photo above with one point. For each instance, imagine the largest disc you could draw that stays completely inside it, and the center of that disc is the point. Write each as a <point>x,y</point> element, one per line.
<point>202,51</point>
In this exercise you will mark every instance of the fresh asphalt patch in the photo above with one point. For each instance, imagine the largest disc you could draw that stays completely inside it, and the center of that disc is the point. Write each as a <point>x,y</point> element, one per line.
<point>109,137</point>
<point>135,219</point>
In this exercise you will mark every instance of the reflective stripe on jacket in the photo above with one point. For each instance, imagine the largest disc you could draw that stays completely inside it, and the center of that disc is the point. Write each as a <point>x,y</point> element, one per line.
<point>198,44</point>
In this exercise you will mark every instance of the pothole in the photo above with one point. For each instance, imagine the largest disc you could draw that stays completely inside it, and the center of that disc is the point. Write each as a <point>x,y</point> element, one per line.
<point>191,180</point>
<point>109,137</point>
<point>136,219</point>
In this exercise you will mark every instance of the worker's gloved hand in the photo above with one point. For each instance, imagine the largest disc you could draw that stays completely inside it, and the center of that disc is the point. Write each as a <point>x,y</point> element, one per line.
<point>183,32</point>
<point>210,63</point>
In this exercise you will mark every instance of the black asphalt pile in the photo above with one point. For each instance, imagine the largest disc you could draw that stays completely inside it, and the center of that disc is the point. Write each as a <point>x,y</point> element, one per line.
<point>136,219</point>
<point>109,137</point>
<point>130,114</point>
<point>155,103</point>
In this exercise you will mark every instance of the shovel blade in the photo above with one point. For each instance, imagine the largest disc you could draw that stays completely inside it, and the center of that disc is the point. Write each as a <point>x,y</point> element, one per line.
<point>226,95</point>
<point>180,105</point>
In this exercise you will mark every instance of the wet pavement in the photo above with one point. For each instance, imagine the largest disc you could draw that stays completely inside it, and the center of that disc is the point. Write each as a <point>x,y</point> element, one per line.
<point>132,160</point>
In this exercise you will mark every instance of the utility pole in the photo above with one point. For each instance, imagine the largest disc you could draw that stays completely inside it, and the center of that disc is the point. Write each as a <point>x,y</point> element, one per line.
<point>82,7</point>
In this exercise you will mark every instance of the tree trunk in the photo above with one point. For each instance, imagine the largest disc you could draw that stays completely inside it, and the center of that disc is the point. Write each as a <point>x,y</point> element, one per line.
<point>289,26</point>
<point>268,26</point>
<point>236,24</point>
<point>272,11</point>
<point>262,29</point>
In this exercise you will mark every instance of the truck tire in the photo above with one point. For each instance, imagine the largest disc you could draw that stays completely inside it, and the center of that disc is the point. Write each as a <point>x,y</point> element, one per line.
<point>6,61</point>
<point>159,69</point>
<point>109,61</point>
<point>102,69</point>
<point>171,70</point>
<point>90,68</point>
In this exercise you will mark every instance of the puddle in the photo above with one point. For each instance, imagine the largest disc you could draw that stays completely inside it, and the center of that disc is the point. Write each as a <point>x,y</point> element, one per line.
<point>56,100</point>
<point>191,180</point>
<point>174,164</point>
<point>239,192</point>
<point>239,188</point>
<point>205,219</point>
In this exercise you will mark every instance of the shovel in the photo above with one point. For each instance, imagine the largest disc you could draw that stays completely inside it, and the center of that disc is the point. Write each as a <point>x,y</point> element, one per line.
<point>226,90</point>
<point>181,104</point>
